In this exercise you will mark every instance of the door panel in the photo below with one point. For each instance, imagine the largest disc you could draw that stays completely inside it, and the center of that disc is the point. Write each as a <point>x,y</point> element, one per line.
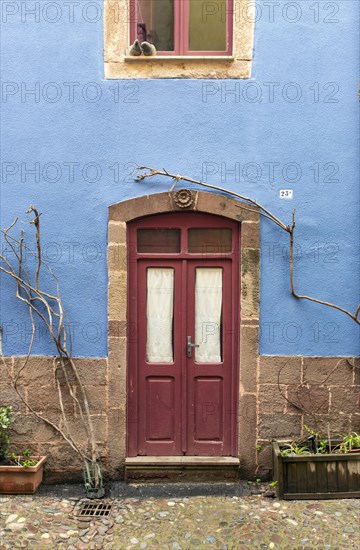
<point>209,371</point>
<point>182,370</point>
<point>159,358</point>
<point>160,409</point>
<point>208,407</point>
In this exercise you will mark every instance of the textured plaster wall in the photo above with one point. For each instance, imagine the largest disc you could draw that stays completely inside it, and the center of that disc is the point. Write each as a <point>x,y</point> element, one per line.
<point>293,125</point>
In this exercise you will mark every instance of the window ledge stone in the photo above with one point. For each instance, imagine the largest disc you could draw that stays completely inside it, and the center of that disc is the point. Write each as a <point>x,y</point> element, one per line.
<point>161,58</point>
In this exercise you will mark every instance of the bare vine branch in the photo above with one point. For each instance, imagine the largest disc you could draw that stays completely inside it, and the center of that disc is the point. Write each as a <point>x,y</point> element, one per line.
<point>354,316</point>
<point>177,177</point>
<point>152,172</point>
<point>35,413</point>
<point>52,315</point>
<point>36,222</point>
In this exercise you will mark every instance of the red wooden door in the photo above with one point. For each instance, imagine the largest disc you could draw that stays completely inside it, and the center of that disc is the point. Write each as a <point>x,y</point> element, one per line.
<point>183,353</point>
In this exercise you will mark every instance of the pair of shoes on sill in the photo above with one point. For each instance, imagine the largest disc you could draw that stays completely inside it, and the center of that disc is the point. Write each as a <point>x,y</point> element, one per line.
<point>145,47</point>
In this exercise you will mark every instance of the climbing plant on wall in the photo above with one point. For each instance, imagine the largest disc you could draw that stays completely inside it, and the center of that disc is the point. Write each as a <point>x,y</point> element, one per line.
<point>47,305</point>
<point>146,172</point>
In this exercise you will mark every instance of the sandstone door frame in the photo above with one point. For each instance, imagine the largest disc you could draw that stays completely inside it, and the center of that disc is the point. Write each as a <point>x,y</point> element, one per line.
<point>119,331</point>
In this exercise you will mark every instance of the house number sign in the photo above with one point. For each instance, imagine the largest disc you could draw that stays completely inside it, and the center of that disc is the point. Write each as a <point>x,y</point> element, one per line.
<point>286,194</point>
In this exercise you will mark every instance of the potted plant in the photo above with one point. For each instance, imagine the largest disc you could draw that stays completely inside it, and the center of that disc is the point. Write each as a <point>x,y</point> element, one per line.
<point>318,468</point>
<point>19,474</point>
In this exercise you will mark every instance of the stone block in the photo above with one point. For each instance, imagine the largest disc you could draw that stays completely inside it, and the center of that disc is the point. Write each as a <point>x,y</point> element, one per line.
<point>338,424</point>
<point>45,400</point>
<point>328,370</point>
<point>97,398</point>
<point>117,296</point>
<point>250,282</point>
<point>117,232</point>
<point>250,234</point>
<point>114,328</point>
<point>277,425</point>
<point>117,355</point>
<point>27,430</point>
<point>355,422</point>
<point>60,456</point>
<point>224,206</point>
<point>247,436</point>
<point>123,329</point>
<point>38,370</point>
<point>270,366</point>
<point>92,370</point>
<point>117,390</point>
<point>345,400</point>
<point>309,399</point>
<point>249,345</point>
<point>249,338</point>
<point>64,374</point>
<point>6,369</point>
<point>117,257</point>
<point>247,416</point>
<point>270,400</point>
<point>141,206</point>
<point>265,460</point>
<point>100,426</point>
<point>117,383</point>
<point>117,440</point>
<point>8,396</point>
<point>356,362</point>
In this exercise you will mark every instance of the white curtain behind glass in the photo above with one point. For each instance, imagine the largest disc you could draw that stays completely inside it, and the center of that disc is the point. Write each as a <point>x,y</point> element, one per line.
<point>208,305</point>
<point>159,315</point>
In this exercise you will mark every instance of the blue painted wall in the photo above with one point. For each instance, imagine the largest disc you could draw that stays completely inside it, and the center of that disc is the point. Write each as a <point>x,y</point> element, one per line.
<point>292,126</point>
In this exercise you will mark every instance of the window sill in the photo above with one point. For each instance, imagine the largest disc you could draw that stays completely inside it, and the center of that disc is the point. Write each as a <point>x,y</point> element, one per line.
<point>160,58</point>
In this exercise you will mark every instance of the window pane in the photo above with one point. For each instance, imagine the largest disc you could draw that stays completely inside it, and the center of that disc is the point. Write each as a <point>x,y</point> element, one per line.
<point>158,240</point>
<point>209,241</point>
<point>155,23</point>
<point>159,315</point>
<point>207,25</point>
<point>208,308</point>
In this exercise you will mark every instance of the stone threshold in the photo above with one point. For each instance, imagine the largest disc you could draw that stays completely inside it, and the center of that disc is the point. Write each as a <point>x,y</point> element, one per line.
<point>181,461</point>
<point>181,468</point>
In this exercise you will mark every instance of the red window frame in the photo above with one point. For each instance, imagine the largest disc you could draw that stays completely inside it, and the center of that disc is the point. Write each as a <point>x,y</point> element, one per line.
<point>181,30</point>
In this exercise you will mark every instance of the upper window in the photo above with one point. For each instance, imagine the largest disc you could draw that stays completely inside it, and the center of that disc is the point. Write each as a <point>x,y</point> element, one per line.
<point>193,38</point>
<point>184,27</point>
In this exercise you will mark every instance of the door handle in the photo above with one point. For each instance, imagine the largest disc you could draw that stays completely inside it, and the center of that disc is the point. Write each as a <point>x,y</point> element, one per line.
<point>190,346</point>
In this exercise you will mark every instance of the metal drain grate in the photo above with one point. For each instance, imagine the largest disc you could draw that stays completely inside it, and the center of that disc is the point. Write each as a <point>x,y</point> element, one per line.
<point>94,510</point>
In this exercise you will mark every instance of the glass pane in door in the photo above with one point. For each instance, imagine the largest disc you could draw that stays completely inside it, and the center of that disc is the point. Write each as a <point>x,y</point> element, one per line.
<point>209,241</point>
<point>208,314</point>
<point>152,241</point>
<point>159,315</point>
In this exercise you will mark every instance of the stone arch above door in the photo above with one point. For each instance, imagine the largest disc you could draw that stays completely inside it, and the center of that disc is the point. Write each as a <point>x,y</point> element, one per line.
<point>119,332</point>
<point>200,201</point>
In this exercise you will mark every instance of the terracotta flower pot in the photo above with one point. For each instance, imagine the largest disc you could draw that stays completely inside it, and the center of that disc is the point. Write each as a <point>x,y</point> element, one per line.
<point>21,480</point>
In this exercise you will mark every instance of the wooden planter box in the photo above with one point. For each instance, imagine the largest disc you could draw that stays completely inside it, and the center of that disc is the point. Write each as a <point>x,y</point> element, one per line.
<point>18,480</point>
<point>317,476</point>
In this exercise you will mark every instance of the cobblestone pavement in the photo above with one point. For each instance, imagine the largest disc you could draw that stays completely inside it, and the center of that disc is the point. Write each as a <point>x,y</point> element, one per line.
<point>226,517</point>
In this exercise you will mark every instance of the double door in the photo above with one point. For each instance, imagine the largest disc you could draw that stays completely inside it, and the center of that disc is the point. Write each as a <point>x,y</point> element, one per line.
<point>182,370</point>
